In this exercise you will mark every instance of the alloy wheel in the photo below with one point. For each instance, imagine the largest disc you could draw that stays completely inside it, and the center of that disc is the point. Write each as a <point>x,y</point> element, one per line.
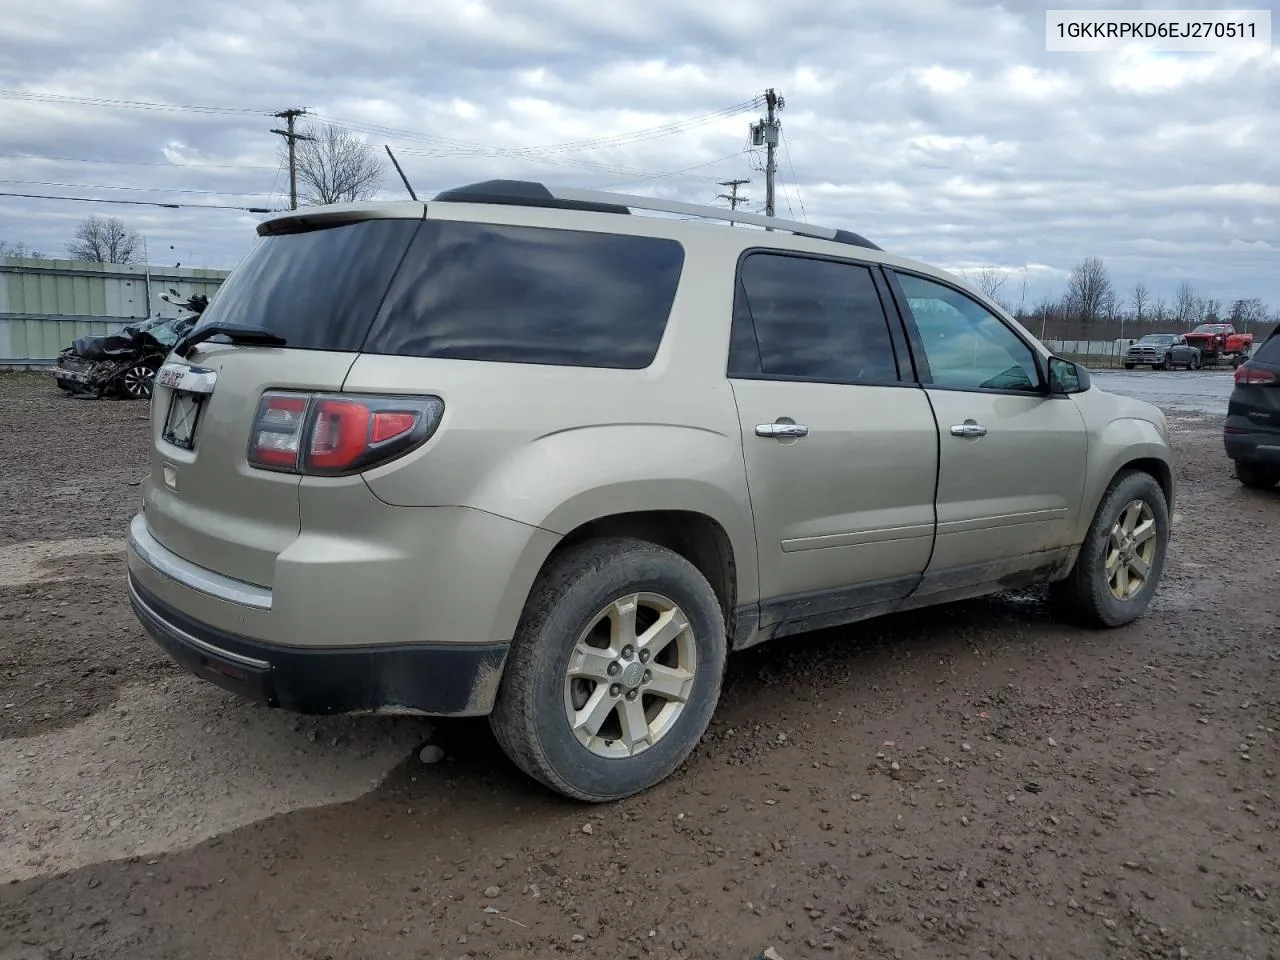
<point>630,675</point>
<point>138,381</point>
<point>1131,550</point>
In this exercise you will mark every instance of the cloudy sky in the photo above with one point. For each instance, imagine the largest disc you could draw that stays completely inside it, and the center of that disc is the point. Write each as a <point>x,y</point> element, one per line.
<point>939,128</point>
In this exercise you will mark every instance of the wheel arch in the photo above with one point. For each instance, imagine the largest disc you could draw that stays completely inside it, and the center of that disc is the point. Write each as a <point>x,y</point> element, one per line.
<point>696,536</point>
<point>1127,444</point>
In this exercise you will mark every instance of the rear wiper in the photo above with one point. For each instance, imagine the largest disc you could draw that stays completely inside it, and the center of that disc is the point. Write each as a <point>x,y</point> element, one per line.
<point>236,333</point>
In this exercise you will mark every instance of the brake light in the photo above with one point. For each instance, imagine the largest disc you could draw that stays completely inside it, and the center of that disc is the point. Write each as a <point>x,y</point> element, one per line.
<point>277,430</point>
<point>337,434</point>
<point>1253,375</point>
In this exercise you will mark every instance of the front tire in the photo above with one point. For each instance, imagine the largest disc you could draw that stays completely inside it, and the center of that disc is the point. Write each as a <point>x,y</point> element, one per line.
<point>1128,366</point>
<point>1120,562</point>
<point>1255,476</point>
<point>614,671</point>
<point>137,381</point>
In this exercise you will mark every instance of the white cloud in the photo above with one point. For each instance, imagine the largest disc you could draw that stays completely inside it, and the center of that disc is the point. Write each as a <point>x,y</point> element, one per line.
<point>940,128</point>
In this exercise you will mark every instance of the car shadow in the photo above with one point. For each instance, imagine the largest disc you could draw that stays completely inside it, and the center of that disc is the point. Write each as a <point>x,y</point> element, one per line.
<point>759,682</point>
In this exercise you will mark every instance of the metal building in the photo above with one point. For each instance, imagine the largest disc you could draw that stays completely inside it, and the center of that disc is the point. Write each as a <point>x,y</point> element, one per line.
<point>45,304</point>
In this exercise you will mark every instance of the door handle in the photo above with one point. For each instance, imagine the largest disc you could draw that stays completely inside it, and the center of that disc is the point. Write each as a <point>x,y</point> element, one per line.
<point>970,428</point>
<point>782,431</point>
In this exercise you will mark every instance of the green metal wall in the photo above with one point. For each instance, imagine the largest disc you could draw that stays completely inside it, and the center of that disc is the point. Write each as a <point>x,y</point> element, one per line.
<point>45,304</point>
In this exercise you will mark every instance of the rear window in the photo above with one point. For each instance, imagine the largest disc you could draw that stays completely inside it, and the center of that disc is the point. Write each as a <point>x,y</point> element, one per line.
<point>318,290</point>
<point>476,291</point>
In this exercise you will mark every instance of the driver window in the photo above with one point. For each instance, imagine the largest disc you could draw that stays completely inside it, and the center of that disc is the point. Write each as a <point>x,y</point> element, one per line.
<point>967,347</point>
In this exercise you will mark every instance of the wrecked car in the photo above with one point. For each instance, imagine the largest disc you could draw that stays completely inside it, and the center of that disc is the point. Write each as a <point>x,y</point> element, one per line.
<point>123,364</point>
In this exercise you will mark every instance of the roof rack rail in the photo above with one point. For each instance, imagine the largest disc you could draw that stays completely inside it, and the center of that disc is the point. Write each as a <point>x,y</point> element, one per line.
<point>534,194</point>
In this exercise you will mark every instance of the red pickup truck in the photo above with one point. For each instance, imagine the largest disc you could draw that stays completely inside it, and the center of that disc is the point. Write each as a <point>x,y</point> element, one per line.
<point>1219,343</point>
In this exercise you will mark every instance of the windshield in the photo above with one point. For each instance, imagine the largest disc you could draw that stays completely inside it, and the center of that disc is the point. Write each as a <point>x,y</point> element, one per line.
<point>1211,328</point>
<point>1157,338</point>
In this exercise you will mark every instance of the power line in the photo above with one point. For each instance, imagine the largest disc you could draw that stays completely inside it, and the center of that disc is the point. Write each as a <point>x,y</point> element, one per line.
<point>111,186</point>
<point>196,164</point>
<point>591,166</point>
<point>795,181</point>
<point>667,129</point>
<point>141,203</point>
<point>674,174</point>
<point>614,140</point>
<point>132,104</point>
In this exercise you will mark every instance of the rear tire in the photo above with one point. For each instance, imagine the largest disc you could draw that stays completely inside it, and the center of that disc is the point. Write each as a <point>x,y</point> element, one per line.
<point>1255,476</point>
<point>1101,591</point>
<point>578,602</point>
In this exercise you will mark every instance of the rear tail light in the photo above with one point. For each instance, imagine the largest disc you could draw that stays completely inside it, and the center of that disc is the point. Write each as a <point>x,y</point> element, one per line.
<point>1253,375</point>
<point>338,434</point>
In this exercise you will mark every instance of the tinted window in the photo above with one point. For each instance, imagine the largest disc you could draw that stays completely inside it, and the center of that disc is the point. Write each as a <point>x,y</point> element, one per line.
<point>319,290</point>
<point>967,346</point>
<point>475,291</point>
<point>1269,352</point>
<point>813,319</point>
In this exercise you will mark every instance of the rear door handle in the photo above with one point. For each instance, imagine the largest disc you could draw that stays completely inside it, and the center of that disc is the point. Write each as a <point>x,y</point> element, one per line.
<point>970,428</point>
<point>782,431</point>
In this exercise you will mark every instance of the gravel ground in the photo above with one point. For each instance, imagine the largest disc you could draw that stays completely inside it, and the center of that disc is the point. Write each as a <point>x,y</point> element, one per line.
<point>976,781</point>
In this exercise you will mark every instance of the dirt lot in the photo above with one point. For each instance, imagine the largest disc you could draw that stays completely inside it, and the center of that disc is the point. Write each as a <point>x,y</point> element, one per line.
<point>979,781</point>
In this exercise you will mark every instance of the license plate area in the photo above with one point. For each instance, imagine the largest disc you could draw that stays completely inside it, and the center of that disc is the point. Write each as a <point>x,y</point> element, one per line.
<point>189,391</point>
<point>182,418</point>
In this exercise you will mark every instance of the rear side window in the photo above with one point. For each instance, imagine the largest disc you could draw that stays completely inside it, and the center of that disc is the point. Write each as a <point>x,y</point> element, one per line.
<point>318,290</point>
<point>1269,352</point>
<point>808,319</point>
<point>477,291</point>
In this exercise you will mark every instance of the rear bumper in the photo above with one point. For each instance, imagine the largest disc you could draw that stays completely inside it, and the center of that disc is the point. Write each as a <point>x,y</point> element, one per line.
<point>434,679</point>
<point>1253,447</point>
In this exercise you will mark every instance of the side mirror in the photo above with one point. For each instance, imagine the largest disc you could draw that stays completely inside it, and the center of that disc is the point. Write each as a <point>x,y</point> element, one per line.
<point>1066,377</point>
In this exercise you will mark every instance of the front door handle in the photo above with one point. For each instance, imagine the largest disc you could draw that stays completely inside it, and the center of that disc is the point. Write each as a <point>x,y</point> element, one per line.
<point>782,431</point>
<point>970,428</point>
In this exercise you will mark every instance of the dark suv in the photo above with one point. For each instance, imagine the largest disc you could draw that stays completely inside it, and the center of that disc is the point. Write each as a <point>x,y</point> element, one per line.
<point>1252,430</point>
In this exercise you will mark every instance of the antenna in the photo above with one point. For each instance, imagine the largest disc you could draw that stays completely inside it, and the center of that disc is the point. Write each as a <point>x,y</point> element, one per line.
<point>396,163</point>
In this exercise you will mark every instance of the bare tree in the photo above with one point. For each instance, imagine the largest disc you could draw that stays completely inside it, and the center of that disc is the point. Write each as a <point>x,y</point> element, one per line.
<point>19,251</point>
<point>1160,310</point>
<point>1185,304</point>
<point>1248,313</point>
<point>1022,295</point>
<point>105,240</point>
<point>1046,308</point>
<point>1210,310</point>
<point>989,281</point>
<point>336,166</point>
<point>1141,299</point>
<point>1089,290</point>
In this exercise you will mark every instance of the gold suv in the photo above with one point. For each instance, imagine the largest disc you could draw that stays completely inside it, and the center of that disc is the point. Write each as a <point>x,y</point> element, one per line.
<point>540,455</point>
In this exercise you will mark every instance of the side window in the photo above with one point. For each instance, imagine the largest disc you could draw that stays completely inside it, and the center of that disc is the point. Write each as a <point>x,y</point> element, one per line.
<point>515,294</point>
<point>966,346</point>
<point>809,319</point>
<point>1269,352</point>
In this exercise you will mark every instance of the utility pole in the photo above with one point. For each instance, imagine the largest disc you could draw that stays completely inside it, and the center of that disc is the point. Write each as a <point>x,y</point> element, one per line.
<point>732,196</point>
<point>289,117</point>
<point>765,133</point>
